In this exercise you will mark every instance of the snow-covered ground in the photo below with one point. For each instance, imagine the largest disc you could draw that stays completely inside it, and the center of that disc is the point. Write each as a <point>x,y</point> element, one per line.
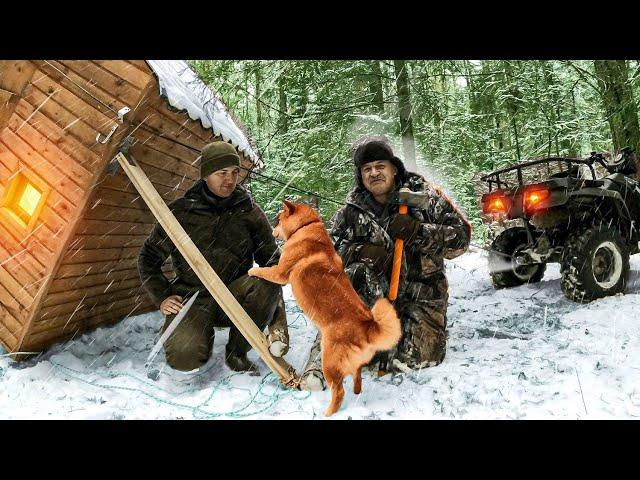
<point>525,352</point>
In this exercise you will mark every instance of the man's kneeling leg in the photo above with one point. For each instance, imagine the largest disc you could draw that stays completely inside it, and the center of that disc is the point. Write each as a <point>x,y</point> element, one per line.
<point>189,346</point>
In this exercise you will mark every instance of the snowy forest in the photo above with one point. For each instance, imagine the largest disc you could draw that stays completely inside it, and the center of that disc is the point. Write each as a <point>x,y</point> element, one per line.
<point>538,322</point>
<point>454,117</point>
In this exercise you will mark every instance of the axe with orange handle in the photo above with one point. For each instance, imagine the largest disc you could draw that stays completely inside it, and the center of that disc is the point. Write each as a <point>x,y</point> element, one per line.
<point>405,198</point>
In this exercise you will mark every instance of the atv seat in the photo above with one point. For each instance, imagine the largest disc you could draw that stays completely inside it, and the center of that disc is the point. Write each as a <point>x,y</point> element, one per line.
<point>576,171</point>
<point>571,172</point>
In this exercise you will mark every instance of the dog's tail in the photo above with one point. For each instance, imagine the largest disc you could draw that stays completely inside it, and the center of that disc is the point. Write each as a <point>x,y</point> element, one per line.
<point>385,329</point>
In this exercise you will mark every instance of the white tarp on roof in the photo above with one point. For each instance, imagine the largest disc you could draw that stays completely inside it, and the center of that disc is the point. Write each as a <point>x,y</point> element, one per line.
<point>184,90</point>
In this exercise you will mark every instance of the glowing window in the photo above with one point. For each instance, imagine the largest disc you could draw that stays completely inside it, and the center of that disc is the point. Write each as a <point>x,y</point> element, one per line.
<point>24,200</point>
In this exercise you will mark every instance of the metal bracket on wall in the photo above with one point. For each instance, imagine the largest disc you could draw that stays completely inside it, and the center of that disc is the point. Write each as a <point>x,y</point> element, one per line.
<point>121,113</point>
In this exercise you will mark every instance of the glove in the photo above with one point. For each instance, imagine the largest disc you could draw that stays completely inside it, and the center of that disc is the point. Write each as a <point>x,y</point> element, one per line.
<point>404,227</point>
<point>377,256</point>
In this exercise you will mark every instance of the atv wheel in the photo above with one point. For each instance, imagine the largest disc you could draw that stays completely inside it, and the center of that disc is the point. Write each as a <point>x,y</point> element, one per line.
<point>504,270</point>
<point>595,264</point>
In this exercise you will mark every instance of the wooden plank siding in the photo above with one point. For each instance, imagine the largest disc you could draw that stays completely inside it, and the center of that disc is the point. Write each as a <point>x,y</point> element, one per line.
<point>78,269</point>
<point>80,117</point>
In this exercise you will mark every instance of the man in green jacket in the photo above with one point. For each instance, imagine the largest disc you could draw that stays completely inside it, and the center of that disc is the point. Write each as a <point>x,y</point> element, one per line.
<point>232,232</point>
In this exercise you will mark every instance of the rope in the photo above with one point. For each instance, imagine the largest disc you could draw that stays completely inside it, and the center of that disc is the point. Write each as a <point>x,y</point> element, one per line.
<point>263,400</point>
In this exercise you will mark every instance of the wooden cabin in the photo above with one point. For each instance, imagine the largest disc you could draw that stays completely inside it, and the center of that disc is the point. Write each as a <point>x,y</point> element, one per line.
<point>70,231</point>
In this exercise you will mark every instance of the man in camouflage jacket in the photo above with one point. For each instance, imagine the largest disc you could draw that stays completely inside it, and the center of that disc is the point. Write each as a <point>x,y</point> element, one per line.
<point>364,232</point>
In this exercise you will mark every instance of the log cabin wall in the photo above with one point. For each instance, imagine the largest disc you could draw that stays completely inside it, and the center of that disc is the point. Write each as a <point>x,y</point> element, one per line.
<point>42,139</point>
<point>96,281</point>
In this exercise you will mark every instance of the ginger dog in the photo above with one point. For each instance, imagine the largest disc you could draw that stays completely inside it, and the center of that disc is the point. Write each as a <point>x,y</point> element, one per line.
<point>351,333</point>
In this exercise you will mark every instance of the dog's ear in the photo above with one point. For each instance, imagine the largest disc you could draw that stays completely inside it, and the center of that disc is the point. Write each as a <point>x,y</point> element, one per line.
<point>289,207</point>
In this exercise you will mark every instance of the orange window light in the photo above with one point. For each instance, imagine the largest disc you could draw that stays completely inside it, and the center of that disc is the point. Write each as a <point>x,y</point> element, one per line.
<point>24,200</point>
<point>29,199</point>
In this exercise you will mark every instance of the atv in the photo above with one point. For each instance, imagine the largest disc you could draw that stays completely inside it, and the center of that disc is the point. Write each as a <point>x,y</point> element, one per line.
<point>589,225</point>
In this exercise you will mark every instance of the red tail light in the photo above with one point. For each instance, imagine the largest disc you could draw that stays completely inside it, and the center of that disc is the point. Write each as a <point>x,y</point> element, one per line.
<point>535,199</point>
<point>497,203</point>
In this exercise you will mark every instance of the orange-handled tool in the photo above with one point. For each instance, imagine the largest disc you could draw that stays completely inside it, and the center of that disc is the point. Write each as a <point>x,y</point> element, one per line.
<point>397,260</point>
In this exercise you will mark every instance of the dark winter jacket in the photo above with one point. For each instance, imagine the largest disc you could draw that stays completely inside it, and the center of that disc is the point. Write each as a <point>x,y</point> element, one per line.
<point>230,232</point>
<point>445,232</point>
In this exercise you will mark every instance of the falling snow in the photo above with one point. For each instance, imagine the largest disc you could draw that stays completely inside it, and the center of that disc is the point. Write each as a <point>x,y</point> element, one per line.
<point>525,352</point>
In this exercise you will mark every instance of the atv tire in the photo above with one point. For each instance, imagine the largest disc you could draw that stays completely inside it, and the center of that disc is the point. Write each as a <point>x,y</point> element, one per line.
<point>502,267</point>
<point>595,264</point>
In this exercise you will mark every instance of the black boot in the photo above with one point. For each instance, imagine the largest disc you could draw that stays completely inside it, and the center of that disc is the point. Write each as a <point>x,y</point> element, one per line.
<point>238,362</point>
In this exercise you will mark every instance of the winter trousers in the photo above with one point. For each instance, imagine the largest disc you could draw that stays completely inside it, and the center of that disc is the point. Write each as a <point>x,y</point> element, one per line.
<point>189,346</point>
<point>422,308</point>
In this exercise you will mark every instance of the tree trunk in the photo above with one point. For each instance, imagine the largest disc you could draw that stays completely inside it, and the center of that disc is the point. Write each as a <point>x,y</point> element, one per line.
<point>404,113</point>
<point>375,86</point>
<point>283,120</point>
<point>258,76</point>
<point>618,102</point>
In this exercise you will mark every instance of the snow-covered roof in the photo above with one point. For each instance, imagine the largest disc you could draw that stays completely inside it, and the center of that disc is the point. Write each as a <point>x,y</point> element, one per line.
<point>184,90</point>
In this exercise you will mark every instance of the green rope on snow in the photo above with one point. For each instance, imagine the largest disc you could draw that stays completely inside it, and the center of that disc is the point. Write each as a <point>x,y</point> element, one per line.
<point>259,397</point>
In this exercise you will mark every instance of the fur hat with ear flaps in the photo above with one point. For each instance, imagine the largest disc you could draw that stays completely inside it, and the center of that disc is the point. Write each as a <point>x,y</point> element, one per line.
<point>370,149</point>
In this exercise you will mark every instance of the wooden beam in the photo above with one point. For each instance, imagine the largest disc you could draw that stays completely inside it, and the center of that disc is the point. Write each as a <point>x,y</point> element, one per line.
<point>205,272</point>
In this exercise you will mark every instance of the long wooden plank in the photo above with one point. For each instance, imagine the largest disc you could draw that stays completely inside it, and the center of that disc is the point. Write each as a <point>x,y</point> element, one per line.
<point>205,272</point>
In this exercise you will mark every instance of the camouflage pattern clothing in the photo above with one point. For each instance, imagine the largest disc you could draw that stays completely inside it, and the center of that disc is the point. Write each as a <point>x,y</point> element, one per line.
<point>423,290</point>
